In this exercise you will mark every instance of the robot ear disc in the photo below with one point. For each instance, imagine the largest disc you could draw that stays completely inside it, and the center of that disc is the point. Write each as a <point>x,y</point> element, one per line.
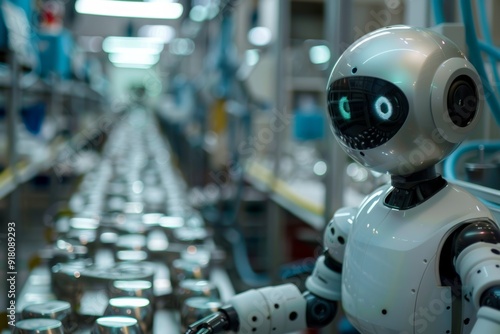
<point>456,99</point>
<point>462,101</point>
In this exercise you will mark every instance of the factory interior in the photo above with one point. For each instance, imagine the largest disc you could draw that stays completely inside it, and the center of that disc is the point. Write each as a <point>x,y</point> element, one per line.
<point>160,158</point>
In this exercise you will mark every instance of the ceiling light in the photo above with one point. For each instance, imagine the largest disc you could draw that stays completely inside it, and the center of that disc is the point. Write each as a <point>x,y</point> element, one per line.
<point>182,47</point>
<point>252,57</point>
<point>159,9</point>
<point>320,168</point>
<point>259,36</point>
<point>163,33</point>
<point>213,10</point>
<point>146,45</point>
<point>319,54</point>
<point>133,60</point>
<point>198,13</point>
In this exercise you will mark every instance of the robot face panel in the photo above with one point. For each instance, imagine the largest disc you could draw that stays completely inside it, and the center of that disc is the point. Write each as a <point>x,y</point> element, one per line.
<point>365,112</point>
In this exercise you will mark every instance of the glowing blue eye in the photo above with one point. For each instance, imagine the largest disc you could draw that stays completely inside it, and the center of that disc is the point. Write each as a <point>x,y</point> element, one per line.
<point>345,110</point>
<point>383,108</point>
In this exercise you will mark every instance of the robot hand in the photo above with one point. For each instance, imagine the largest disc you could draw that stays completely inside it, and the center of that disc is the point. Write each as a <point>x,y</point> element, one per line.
<point>279,309</point>
<point>214,323</point>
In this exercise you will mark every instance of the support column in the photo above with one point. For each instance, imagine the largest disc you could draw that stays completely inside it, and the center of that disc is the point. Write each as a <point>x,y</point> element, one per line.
<point>338,34</point>
<point>275,220</point>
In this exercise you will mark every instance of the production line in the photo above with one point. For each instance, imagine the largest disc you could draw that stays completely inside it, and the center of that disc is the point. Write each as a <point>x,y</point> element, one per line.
<point>250,167</point>
<point>132,245</point>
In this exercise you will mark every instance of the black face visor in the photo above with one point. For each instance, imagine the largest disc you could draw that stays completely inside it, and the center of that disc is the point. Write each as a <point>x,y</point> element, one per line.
<point>366,112</point>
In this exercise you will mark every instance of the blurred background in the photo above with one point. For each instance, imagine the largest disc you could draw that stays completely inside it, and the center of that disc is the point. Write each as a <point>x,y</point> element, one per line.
<point>231,93</point>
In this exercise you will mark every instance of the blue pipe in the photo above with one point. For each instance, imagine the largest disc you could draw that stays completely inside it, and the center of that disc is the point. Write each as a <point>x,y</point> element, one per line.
<point>475,47</point>
<point>475,57</point>
<point>491,50</point>
<point>242,263</point>
<point>437,6</point>
<point>449,170</point>
<point>483,20</point>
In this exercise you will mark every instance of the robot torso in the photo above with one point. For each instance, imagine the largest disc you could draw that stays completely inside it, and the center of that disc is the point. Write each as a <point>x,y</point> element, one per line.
<point>390,279</point>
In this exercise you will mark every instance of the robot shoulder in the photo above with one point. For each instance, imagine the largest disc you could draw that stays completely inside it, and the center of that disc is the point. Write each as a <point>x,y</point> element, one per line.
<point>375,196</point>
<point>479,230</point>
<point>466,234</point>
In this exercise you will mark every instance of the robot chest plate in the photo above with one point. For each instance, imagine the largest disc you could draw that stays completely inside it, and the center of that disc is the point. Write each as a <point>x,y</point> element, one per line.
<point>390,270</point>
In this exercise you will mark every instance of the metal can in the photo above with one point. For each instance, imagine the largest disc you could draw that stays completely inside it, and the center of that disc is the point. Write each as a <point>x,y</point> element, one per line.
<point>38,326</point>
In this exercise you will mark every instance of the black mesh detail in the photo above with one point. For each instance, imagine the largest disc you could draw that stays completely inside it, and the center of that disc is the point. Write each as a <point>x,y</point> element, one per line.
<point>366,112</point>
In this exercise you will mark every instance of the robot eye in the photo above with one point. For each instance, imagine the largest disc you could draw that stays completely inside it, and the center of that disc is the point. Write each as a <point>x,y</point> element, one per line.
<point>383,108</point>
<point>344,108</point>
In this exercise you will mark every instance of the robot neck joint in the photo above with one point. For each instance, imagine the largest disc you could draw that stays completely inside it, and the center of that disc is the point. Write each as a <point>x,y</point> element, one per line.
<point>411,180</point>
<point>414,189</point>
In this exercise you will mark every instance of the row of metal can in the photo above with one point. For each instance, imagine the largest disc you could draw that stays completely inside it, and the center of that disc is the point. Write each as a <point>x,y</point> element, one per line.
<point>130,251</point>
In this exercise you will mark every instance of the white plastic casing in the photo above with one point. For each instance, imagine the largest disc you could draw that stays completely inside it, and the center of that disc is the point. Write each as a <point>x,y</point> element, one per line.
<point>279,309</point>
<point>337,232</point>
<point>324,282</point>
<point>488,321</point>
<point>479,268</point>
<point>390,278</point>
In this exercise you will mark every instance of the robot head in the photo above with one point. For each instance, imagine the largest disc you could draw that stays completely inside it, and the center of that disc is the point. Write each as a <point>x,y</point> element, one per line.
<point>400,99</point>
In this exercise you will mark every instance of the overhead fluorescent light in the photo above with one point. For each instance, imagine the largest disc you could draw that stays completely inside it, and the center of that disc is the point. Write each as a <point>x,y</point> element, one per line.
<point>135,66</point>
<point>159,9</point>
<point>133,60</point>
<point>162,32</point>
<point>144,45</point>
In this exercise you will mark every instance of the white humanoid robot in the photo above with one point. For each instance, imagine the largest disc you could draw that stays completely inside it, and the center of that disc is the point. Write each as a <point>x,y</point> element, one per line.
<point>419,255</point>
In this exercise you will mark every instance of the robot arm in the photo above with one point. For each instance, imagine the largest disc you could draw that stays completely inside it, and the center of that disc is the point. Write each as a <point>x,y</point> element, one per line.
<point>279,309</point>
<point>477,261</point>
<point>283,308</point>
<point>325,280</point>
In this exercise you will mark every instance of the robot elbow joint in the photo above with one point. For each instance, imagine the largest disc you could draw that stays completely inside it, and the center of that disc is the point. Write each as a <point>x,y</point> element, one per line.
<point>320,312</point>
<point>491,298</point>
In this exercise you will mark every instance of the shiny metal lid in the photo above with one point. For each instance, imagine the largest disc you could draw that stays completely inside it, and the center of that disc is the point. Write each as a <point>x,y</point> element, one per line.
<point>195,288</point>
<point>116,325</point>
<point>186,269</point>
<point>38,326</point>
<point>196,308</point>
<point>54,309</point>
<point>134,288</point>
<point>136,307</point>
